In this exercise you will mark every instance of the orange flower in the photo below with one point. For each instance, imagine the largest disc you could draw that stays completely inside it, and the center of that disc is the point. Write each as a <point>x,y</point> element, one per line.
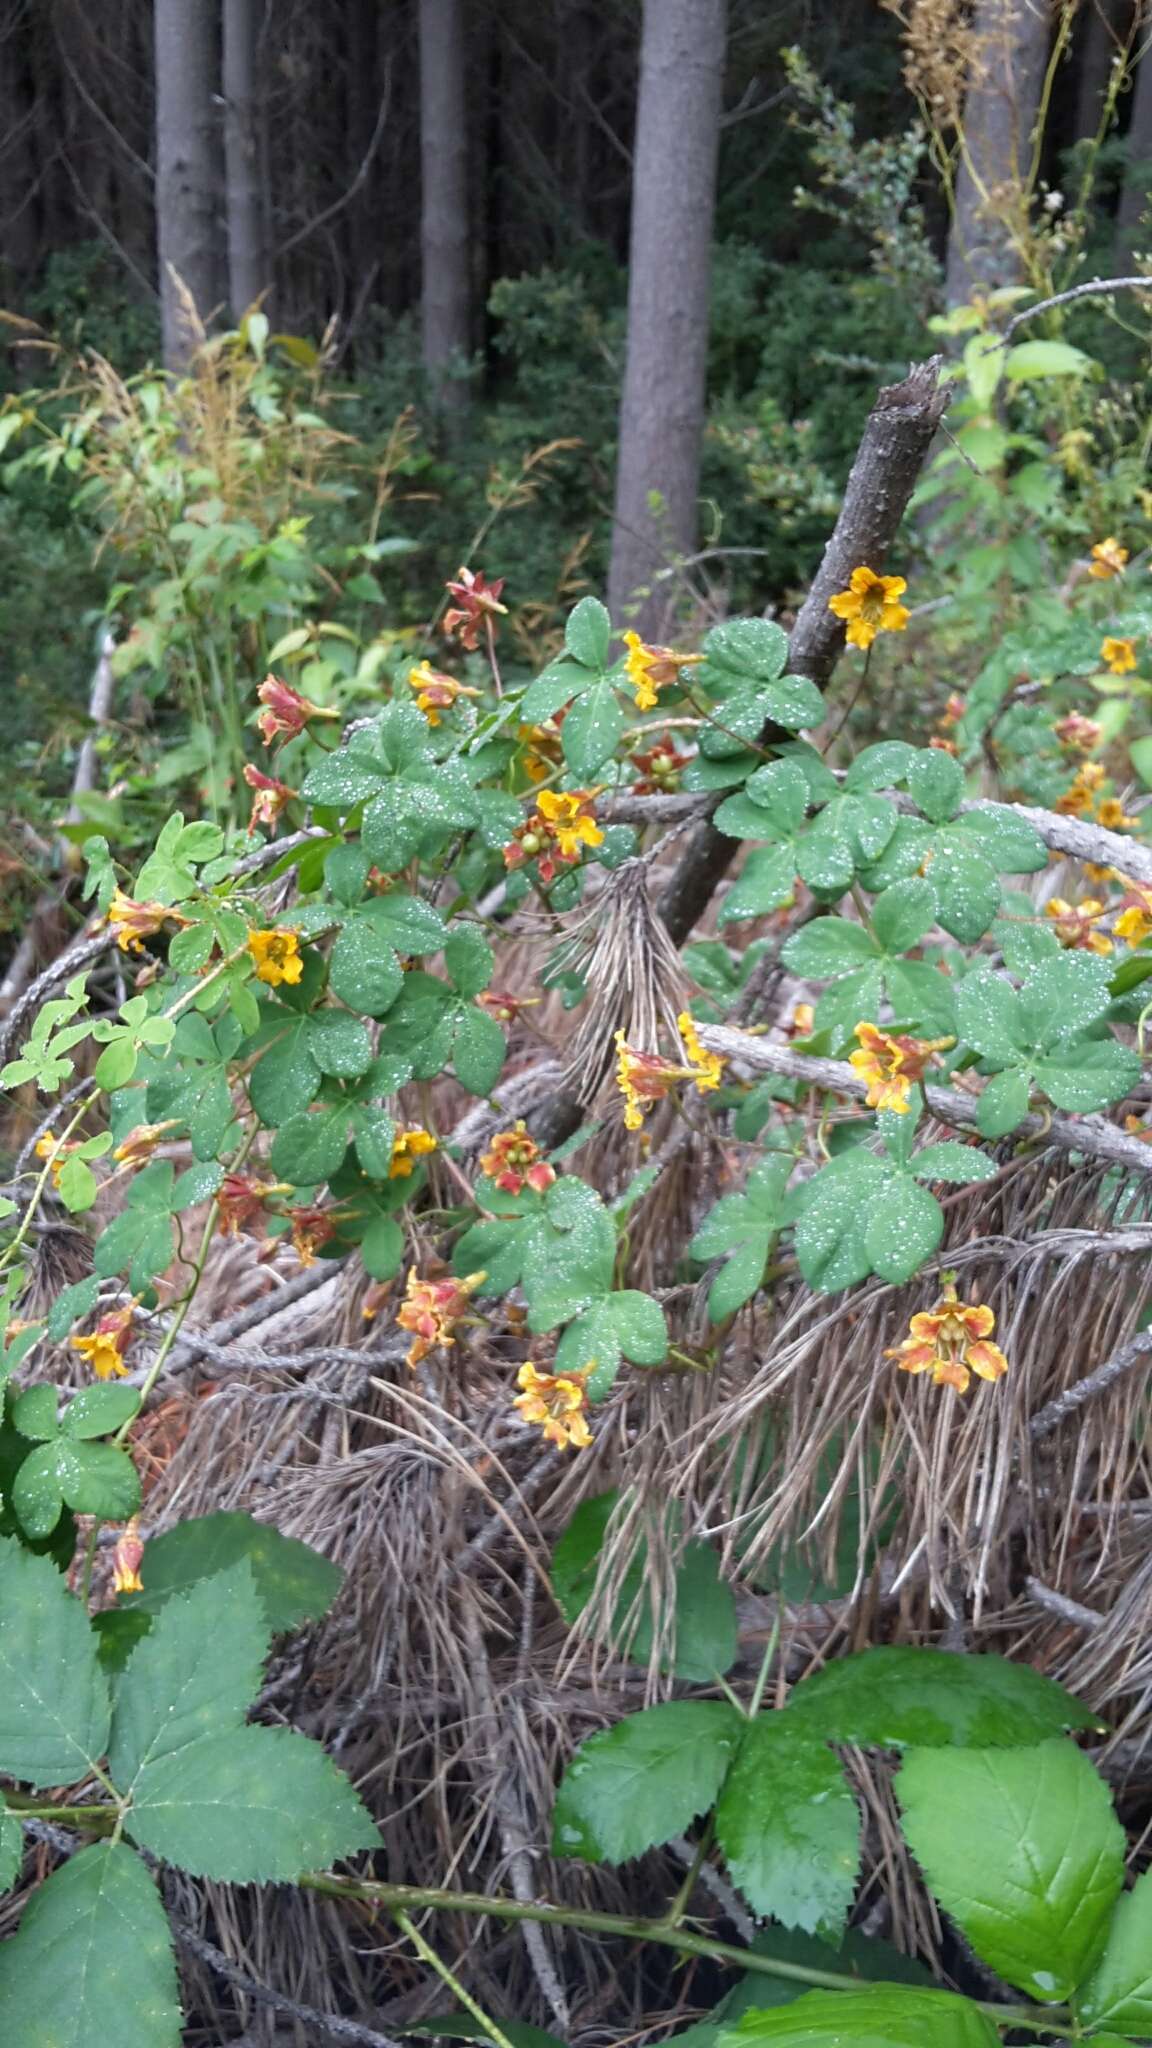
<point>542,747</point>
<point>953,711</point>
<point>1073,924</point>
<point>477,603</point>
<point>141,1143</point>
<point>1078,732</point>
<point>132,921</point>
<point>431,1311</point>
<point>870,605</point>
<point>105,1348</point>
<point>1135,920</point>
<point>557,1403</point>
<point>802,1022</point>
<point>1108,559</point>
<point>407,1147</point>
<point>943,746</point>
<point>892,1064</point>
<point>277,957</point>
<point>652,669</point>
<point>57,1150</point>
<point>1081,791</point>
<point>241,1199</point>
<point>949,1341</point>
<point>127,1559</point>
<point>285,711</point>
<point>661,767</point>
<point>559,826</point>
<point>515,1161</point>
<point>437,692</point>
<point>268,797</point>
<point>504,1007</point>
<point>1119,654</point>
<point>1112,815</point>
<point>646,1077</point>
<point>312,1227</point>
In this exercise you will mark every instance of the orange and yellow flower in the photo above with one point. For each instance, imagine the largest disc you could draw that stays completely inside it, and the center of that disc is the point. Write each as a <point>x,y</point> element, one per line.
<point>558,1402</point>
<point>1078,732</point>
<point>647,1077</point>
<point>241,1199</point>
<point>1112,815</point>
<point>557,829</point>
<point>57,1150</point>
<point>141,1142</point>
<point>105,1348</point>
<point>950,1342</point>
<point>132,921</point>
<point>652,669</point>
<point>870,605</point>
<point>1135,920</point>
<point>1073,924</point>
<point>1108,559</point>
<point>286,712</point>
<point>408,1147</point>
<point>436,692</point>
<point>515,1161</point>
<point>432,1309</point>
<point>1120,655</point>
<point>477,604</point>
<point>312,1226</point>
<point>1082,790</point>
<point>542,747</point>
<point>127,1558</point>
<point>277,957</point>
<point>504,1006</point>
<point>892,1064</point>
<point>268,796</point>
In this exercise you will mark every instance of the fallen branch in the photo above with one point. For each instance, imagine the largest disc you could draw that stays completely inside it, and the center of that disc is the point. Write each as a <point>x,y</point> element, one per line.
<point>1124,1361</point>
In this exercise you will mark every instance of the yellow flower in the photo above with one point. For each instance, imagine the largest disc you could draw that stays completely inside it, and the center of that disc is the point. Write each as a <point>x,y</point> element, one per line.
<point>1135,920</point>
<point>1108,559</point>
<point>557,1403</point>
<point>141,1142</point>
<point>127,1559</point>
<point>1079,794</point>
<point>277,956</point>
<point>1073,924</point>
<point>652,669</point>
<point>870,605</point>
<point>1119,654</point>
<point>105,1348</point>
<point>407,1147</point>
<point>950,1343</point>
<point>892,1064</point>
<point>1112,815</point>
<point>132,921</point>
<point>437,692</point>
<point>567,816</point>
<point>55,1149</point>
<point>707,1067</point>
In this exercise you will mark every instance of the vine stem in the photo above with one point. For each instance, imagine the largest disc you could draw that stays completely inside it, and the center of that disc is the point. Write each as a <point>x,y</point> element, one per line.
<point>445,1975</point>
<point>399,1899</point>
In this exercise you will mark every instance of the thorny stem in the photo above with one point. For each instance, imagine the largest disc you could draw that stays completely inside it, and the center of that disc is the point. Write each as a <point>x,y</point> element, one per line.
<point>390,1897</point>
<point>679,1906</point>
<point>445,1975</point>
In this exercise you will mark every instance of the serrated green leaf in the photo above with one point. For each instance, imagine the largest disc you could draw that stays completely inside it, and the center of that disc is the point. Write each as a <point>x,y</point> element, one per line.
<point>789,1827</point>
<point>172,1693</point>
<point>1119,1992</point>
<point>644,1780</point>
<point>256,1806</point>
<point>1023,1849</point>
<point>92,1960</point>
<point>53,1697</point>
<point>891,1697</point>
<point>294,1582</point>
<point>875,2016</point>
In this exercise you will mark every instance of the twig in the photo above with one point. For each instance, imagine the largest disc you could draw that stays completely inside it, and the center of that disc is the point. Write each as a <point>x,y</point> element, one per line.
<point>1115,1368</point>
<point>328,2024</point>
<point>1060,1605</point>
<point>1096,287</point>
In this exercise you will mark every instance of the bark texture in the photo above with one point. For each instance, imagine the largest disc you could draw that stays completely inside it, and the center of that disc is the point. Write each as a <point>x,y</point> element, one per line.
<point>673,199</point>
<point>187,170</point>
<point>247,260</point>
<point>1133,230</point>
<point>444,300</point>
<point>1010,41</point>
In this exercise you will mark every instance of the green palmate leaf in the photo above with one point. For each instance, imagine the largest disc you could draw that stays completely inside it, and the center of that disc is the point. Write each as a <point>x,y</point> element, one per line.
<point>789,1827</point>
<point>886,1698</point>
<point>53,1696</point>
<point>829,945</point>
<point>294,1583</point>
<point>92,1961</point>
<point>554,686</point>
<point>766,882</point>
<point>286,1078</point>
<point>11,1848</point>
<point>745,1226</point>
<point>250,1807</point>
<point>310,1148</point>
<point>92,1479</point>
<point>1023,1849</point>
<point>569,1254</point>
<point>588,633</point>
<point>873,2017</point>
<point>1119,1992</point>
<point>742,651</point>
<point>172,1693</point>
<point>627,1324</point>
<point>644,1780</point>
<point>832,1228</point>
<point>591,732</point>
<point>1003,1104</point>
<point>902,914</point>
<point>904,1227</point>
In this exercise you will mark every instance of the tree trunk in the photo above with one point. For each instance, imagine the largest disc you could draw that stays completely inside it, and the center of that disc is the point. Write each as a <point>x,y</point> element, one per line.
<point>673,195</point>
<point>1103,40</point>
<point>247,260</point>
<point>187,172</point>
<point>444,299</point>
<point>1011,39</point>
<point>1132,226</point>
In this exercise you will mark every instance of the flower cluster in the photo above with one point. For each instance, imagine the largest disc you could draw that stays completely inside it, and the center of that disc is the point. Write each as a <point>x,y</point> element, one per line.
<point>646,1077</point>
<point>558,1403</point>
<point>870,605</point>
<point>892,1064</point>
<point>660,768</point>
<point>557,829</point>
<point>652,669</point>
<point>1079,734</point>
<point>431,1310</point>
<point>950,1342</point>
<point>514,1161</point>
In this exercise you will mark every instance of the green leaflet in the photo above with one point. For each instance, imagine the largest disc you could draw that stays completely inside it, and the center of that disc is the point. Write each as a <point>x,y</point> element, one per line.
<point>172,1693</point>
<point>890,1697</point>
<point>92,1960</point>
<point>294,1583</point>
<point>877,2016</point>
<point>1119,1992</point>
<point>54,1710</point>
<point>789,1827</point>
<point>644,1780</point>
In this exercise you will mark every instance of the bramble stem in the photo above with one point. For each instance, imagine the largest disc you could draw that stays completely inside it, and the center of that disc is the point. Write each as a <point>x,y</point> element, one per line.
<point>430,1956</point>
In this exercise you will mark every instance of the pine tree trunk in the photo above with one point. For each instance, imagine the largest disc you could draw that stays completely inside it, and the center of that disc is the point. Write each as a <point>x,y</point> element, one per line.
<point>661,413</point>
<point>1133,229</point>
<point>187,171</point>
<point>444,299</point>
<point>247,261</point>
<point>1011,40</point>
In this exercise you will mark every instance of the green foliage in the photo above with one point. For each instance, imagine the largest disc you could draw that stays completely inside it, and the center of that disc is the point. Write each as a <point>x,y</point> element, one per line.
<point>92,1960</point>
<point>789,1828</point>
<point>702,1627</point>
<point>643,1781</point>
